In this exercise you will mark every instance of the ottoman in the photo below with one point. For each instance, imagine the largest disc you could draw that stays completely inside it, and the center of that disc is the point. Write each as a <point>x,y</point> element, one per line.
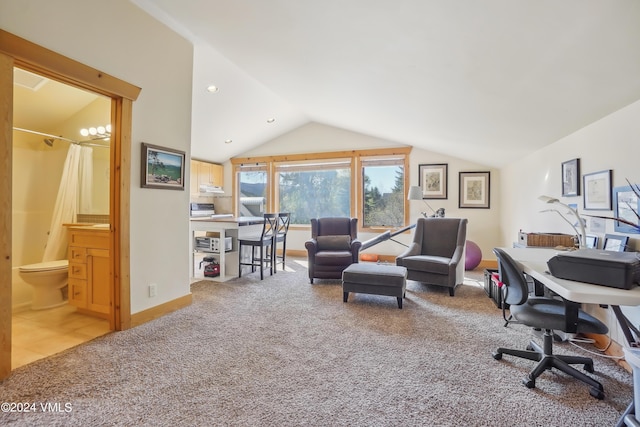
<point>378,279</point>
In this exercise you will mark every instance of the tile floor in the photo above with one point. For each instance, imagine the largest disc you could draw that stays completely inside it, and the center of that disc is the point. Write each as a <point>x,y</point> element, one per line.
<point>36,334</point>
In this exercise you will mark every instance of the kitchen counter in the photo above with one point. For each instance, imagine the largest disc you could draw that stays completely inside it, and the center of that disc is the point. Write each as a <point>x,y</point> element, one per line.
<point>230,219</point>
<point>225,226</point>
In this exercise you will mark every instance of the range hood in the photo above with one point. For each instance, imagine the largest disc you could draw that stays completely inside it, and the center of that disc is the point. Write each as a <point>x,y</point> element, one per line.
<point>208,188</point>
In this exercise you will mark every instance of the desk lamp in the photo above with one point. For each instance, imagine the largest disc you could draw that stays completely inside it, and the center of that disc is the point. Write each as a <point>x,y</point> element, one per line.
<point>582,233</point>
<point>415,193</point>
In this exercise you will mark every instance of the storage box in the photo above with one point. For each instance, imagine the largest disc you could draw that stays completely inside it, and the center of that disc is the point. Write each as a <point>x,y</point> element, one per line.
<point>491,289</point>
<point>546,240</point>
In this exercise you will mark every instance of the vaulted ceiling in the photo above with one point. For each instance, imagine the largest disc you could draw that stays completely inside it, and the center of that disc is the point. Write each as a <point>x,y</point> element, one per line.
<point>485,80</point>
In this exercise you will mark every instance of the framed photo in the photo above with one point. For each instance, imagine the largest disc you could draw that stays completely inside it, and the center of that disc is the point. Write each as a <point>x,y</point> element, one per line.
<point>474,190</point>
<point>592,241</point>
<point>571,178</point>
<point>625,206</point>
<point>433,180</point>
<point>597,190</point>
<point>162,168</point>
<point>613,242</point>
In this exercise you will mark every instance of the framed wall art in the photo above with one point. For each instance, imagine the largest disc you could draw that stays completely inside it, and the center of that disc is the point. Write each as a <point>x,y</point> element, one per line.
<point>571,178</point>
<point>162,168</point>
<point>433,180</point>
<point>625,206</point>
<point>474,190</point>
<point>597,190</point>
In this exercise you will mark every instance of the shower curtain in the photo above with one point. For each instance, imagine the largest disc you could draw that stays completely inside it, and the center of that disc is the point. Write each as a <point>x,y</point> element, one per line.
<point>76,183</point>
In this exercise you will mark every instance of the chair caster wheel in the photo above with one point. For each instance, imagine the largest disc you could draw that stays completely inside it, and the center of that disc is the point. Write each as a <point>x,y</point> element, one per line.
<point>497,356</point>
<point>598,394</point>
<point>529,347</point>
<point>529,383</point>
<point>589,367</point>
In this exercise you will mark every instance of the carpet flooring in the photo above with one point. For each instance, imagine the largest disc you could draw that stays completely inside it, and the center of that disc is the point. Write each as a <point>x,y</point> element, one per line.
<point>283,352</point>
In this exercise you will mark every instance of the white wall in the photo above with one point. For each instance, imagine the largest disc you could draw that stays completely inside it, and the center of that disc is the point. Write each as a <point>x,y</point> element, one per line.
<point>610,143</point>
<point>483,226</point>
<point>120,39</point>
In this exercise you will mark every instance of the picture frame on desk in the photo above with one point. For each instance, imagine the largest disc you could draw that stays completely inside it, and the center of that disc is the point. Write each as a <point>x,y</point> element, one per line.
<point>162,168</point>
<point>615,243</point>
<point>597,190</point>
<point>571,178</point>
<point>592,241</point>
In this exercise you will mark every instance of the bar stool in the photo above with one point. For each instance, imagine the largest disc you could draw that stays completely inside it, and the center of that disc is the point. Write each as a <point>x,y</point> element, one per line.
<point>265,242</point>
<point>281,236</point>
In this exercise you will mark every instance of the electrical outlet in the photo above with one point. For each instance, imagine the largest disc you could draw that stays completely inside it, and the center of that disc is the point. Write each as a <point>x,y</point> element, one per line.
<point>153,290</point>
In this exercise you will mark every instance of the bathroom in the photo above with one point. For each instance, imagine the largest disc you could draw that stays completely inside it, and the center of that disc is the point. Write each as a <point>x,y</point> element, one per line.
<point>59,111</point>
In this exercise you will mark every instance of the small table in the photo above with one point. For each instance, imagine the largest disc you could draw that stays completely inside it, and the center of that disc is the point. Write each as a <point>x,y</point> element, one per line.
<point>378,279</point>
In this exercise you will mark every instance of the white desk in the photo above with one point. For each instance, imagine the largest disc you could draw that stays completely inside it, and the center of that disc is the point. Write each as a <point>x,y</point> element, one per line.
<point>533,261</point>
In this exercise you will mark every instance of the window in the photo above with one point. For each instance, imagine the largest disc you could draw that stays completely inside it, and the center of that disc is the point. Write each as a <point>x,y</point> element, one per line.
<point>383,192</point>
<point>366,184</point>
<point>314,189</point>
<point>252,194</point>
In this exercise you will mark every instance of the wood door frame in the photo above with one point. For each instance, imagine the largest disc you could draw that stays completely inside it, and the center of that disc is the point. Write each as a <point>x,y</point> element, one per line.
<point>18,52</point>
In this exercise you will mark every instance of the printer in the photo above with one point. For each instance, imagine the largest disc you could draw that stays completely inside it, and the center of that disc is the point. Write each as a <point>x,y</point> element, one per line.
<point>600,267</point>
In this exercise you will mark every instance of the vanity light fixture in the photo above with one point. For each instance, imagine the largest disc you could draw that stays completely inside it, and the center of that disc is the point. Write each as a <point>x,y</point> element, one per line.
<point>97,132</point>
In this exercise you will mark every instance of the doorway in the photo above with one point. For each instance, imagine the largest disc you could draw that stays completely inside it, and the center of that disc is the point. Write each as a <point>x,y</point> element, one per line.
<point>52,123</point>
<point>17,52</point>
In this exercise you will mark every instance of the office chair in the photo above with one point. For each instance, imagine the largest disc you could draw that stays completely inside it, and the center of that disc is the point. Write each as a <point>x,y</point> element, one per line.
<point>547,314</point>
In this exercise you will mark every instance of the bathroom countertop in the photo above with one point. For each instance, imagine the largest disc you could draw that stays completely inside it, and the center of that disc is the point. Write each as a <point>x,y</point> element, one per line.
<point>85,226</point>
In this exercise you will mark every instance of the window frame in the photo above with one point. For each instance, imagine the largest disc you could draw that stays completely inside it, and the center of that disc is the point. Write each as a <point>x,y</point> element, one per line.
<point>359,159</point>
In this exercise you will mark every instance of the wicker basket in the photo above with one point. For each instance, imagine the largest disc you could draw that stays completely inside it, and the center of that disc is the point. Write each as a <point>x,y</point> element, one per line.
<point>546,240</point>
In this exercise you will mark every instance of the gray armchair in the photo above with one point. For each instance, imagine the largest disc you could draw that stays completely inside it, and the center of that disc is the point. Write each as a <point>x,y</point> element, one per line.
<point>333,246</point>
<point>436,255</point>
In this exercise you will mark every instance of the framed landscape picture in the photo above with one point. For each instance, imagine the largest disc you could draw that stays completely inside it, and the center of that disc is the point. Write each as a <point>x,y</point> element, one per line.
<point>162,167</point>
<point>433,180</point>
<point>474,190</point>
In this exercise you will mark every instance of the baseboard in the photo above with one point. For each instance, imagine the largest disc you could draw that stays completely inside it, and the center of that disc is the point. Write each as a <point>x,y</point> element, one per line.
<point>485,263</point>
<point>152,313</point>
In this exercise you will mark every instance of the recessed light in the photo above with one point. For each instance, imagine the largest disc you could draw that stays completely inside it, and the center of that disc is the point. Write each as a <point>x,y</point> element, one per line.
<point>271,120</point>
<point>228,141</point>
<point>212,88</point>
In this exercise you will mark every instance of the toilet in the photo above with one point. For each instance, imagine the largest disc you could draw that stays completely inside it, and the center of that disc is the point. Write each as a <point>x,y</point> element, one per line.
<point>47,280</point>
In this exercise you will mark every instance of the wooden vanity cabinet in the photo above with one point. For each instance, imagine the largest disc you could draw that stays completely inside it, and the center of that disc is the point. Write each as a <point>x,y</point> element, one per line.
<point>90,270</point>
